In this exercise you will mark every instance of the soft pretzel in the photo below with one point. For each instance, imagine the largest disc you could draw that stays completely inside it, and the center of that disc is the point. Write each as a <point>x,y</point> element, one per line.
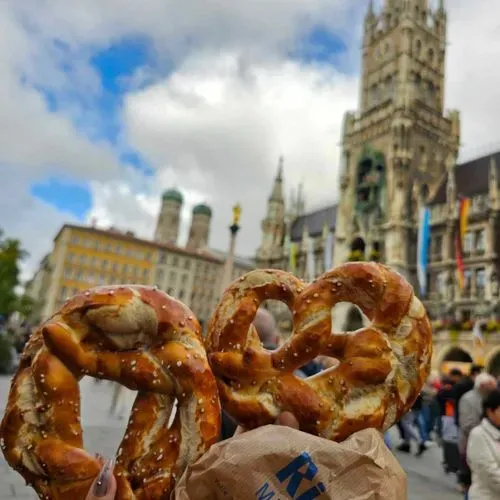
<point>141,338</point>
<point>381,368</point>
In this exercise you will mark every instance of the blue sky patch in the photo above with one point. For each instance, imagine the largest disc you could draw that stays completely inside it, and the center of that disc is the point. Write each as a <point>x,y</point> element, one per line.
<point>120,61</point>
<point>137,161</point>
<point>320,45</point>
<point>64,195</point>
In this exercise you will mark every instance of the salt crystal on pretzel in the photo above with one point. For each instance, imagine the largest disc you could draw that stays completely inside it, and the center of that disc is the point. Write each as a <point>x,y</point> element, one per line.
<point>382,367</point>
<point>134,335</point>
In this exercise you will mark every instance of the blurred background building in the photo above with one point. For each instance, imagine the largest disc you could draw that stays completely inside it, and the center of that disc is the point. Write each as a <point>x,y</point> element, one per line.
<point>87,256</point>
<point>400,180</point>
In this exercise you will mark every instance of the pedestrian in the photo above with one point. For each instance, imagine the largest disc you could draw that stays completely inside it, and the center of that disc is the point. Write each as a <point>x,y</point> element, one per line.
<point>411,428</point>
<point>466,384</point>
<point>483,452</point>
<point>471,411</point>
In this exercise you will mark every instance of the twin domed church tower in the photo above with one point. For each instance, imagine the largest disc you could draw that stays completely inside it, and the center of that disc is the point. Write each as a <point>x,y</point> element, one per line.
<point>169,221</point>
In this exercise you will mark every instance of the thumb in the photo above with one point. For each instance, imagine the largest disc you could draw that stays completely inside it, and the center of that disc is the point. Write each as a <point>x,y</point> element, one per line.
<point>104,485</point>
<point>288,419</point>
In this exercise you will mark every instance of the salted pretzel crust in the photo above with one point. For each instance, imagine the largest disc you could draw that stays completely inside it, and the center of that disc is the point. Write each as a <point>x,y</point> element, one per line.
<point>137,336</point>
<point>381,369</point>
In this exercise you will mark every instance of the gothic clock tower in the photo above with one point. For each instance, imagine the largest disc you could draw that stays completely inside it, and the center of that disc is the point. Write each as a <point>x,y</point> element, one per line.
<point>399,145</point>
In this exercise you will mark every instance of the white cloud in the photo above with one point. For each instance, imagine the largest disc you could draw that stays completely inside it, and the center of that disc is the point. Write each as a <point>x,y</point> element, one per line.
<point>222,123</point>
<point>216,126</point>
<point>472,74</point>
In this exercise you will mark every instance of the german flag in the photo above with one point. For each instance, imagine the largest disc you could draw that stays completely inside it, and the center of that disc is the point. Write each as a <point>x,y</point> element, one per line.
<point>463,215</point>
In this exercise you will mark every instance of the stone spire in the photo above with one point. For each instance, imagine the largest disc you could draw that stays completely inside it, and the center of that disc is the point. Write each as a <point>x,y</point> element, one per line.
<point>277,192</point>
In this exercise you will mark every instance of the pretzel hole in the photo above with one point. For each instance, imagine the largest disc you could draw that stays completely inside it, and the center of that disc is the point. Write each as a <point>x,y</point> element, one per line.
<point>103,432</point>
<point>347,317</point>
<point>274,324</point>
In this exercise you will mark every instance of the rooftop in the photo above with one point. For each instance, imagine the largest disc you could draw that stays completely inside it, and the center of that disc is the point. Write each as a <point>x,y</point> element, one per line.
<point>314,222</point>
<point>471,178</point>
<point>210,255</point>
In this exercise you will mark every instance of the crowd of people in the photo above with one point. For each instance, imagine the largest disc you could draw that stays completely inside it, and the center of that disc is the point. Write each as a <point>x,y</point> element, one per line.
<point>461,413</point>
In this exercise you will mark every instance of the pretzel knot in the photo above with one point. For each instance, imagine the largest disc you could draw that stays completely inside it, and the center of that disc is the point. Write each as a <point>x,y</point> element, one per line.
<point>134,335</point>
<point>381,368</point>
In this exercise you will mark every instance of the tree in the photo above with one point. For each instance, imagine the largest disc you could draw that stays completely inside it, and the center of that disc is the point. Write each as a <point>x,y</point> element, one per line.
<point>11,255</point>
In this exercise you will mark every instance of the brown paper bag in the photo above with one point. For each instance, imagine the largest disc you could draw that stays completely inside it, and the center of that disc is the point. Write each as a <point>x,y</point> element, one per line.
<point>277,463</point>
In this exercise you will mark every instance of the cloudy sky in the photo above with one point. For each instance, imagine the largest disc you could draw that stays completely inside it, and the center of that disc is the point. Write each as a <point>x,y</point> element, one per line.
<point>105,103</point>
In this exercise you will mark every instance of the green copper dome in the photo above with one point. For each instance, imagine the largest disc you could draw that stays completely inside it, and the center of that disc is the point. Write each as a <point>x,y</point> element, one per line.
<point>174,195</point>
<point>202,209</point>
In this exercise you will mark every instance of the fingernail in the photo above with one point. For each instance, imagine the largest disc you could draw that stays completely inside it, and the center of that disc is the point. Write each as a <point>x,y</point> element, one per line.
<point>102,483</point>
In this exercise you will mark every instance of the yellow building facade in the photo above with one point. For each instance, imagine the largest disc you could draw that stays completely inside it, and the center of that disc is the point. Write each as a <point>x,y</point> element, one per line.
<point>84,257</point>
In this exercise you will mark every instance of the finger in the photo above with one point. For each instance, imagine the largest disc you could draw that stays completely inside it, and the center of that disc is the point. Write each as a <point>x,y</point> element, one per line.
<point>104,486</point>
<point>288,419</point>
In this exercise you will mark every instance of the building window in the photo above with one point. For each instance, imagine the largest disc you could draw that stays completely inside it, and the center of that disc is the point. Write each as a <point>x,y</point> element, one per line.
<point>97,245</point>
<point>162,258</point>
<point>104,264</point>
<point>102,279</point>
<point>63,293</point>
<point>145,273</point>
<point>74,240</point>
<point>468,243</point>
<point>78,276</point>
<point>67,273</point>
<point>118,249</point>
<point>175,261</point>
<point>170,291</point>
<point>147,256</point>
<point>430,56</point>
<point>480,282</point>
<point>115,267</point>
<point>441,284</point>
<point>82,259</point>
<point>125,269</point>
<point>92,261</point>
<point>467,283</point>
<point>159,276</point>
<point>70,256</point>
<point>187,264</point>
<point>480,241</point>
<point>437,248</point>
<point>107,248</point>
<point>374,92</point>
<point>181,294</point>
<point>172,277</point>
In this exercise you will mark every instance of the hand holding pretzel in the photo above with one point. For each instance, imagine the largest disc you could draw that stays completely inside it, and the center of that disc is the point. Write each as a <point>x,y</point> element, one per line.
<point>381,369</point>
<point>134,335</point>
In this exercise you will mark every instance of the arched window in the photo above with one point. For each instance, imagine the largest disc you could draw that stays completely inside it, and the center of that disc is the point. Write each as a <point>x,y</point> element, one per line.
<point>418,47</point>
<point>430,56</point>
<point>358,247</point>
<point>374,95</point>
